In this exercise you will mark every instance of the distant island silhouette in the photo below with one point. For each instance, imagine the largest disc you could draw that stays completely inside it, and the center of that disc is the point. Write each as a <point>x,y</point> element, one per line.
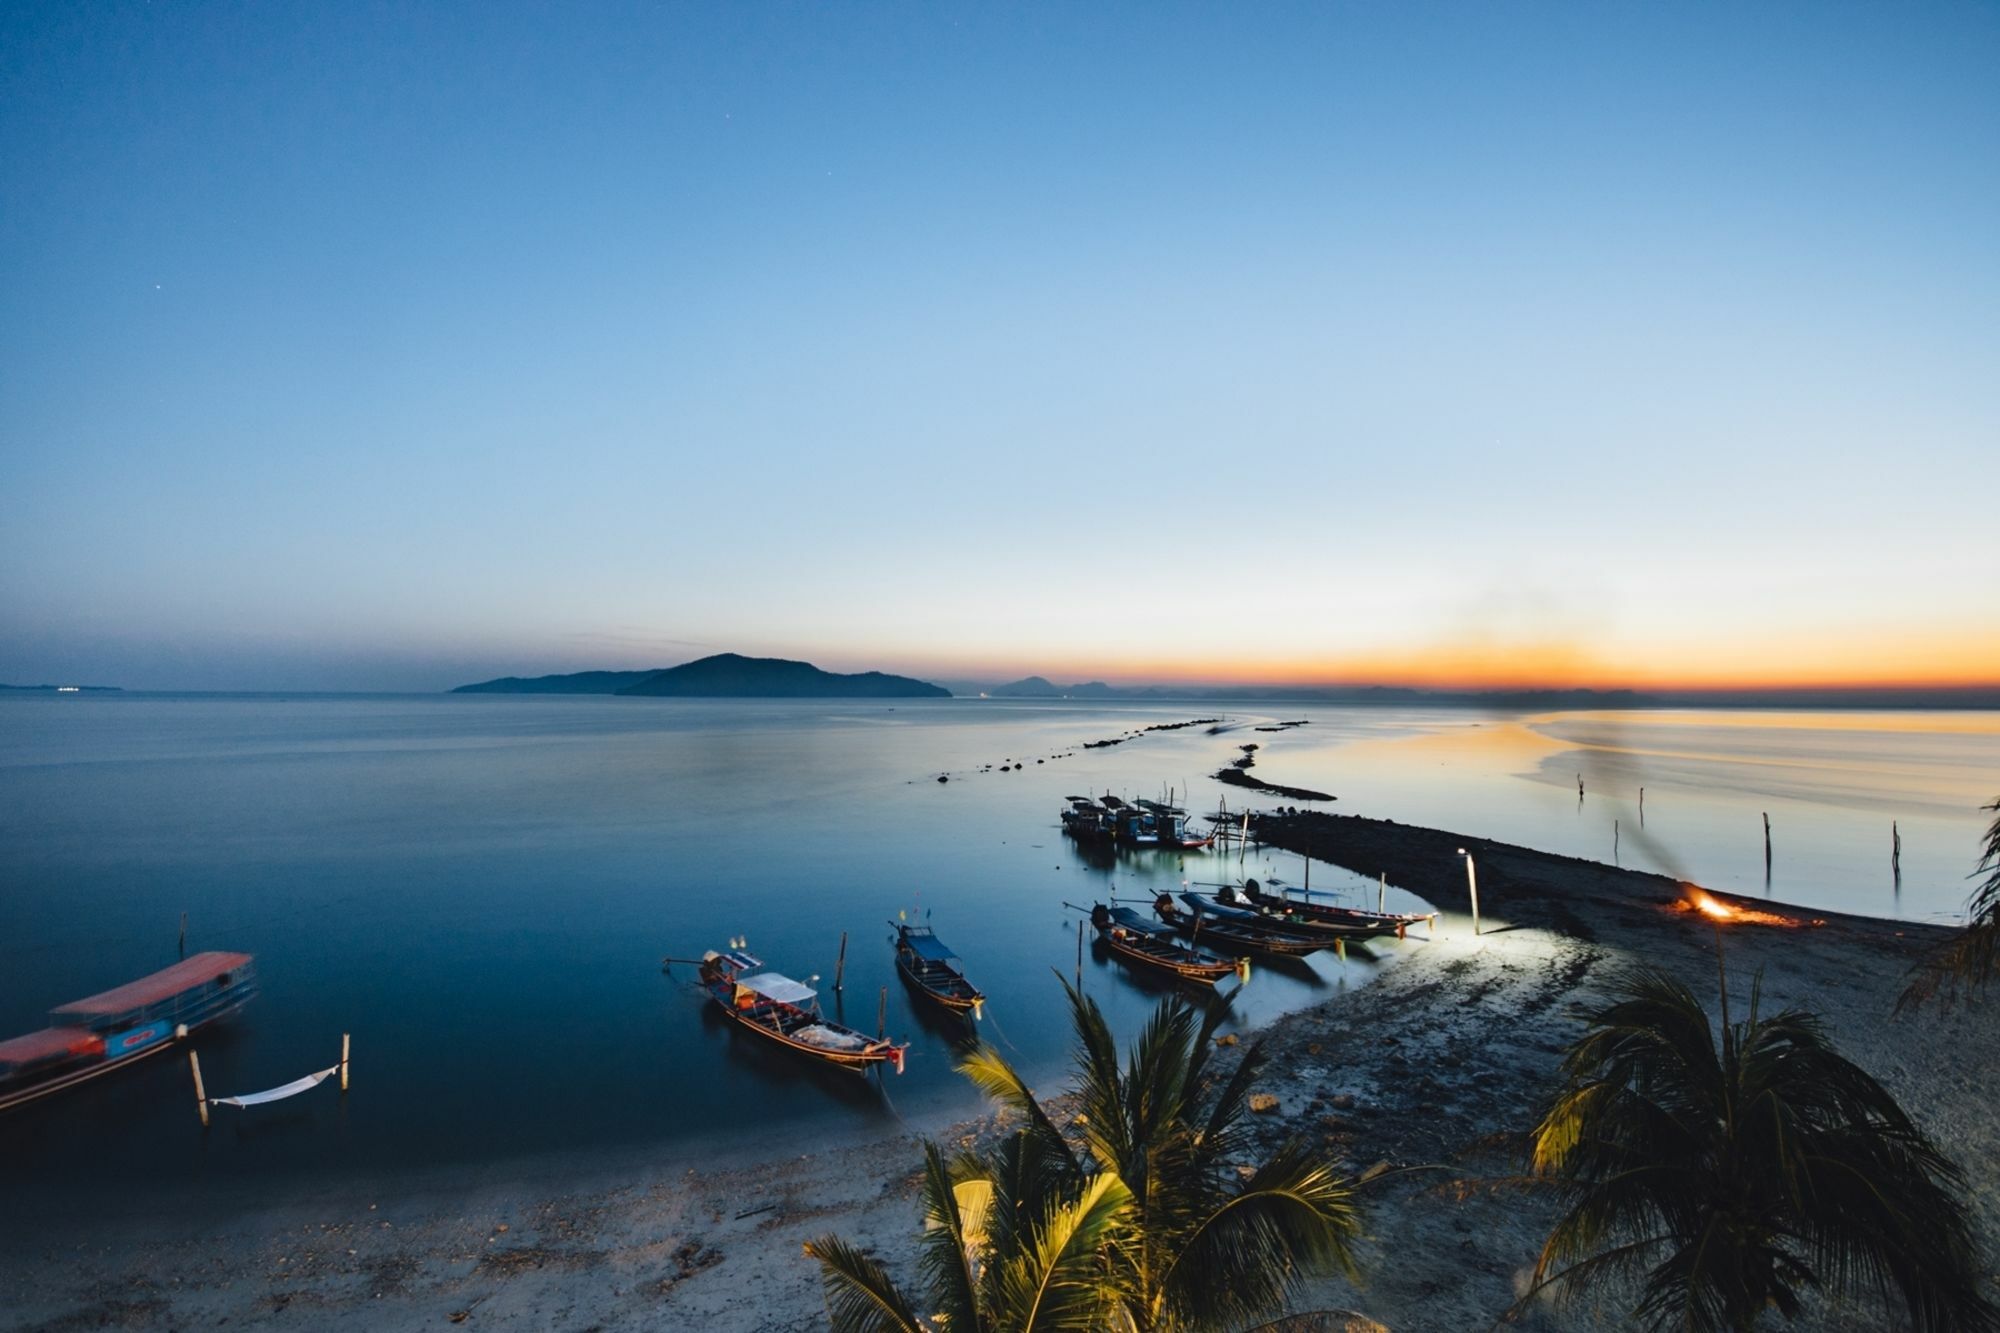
<point>721,676</point>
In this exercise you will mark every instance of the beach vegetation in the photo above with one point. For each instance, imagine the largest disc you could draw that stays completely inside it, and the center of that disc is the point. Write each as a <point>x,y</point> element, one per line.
<point>1969,962</point>
<point>1146,1214</point>
<point>1729,1170</point>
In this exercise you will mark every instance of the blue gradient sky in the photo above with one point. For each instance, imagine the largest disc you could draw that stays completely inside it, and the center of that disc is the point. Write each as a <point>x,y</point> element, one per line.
<point>358,346</point>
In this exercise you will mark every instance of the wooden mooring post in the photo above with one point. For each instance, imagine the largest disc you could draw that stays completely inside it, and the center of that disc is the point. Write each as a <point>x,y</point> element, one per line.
<point>184,934</point>
<point>882,1016</point>
<point>200,1094</point>
<point>343,1062</point>
<point>840,967</point>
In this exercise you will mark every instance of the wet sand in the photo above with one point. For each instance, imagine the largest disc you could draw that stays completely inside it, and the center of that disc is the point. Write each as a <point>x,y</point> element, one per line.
<point>1444,1060</point>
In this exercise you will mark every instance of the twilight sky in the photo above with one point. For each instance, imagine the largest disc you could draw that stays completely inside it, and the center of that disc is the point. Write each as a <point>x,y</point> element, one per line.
<point>393,346</point>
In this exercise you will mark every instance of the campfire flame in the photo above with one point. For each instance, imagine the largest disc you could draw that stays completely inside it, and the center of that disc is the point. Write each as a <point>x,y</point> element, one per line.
<point>1710,907</point>
<point>1694,899</point>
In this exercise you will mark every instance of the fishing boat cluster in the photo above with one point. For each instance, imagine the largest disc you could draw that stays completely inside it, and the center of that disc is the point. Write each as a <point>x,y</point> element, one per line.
<point>1200,939</point>
<point>1108,821</point>
<point>1195,937</point>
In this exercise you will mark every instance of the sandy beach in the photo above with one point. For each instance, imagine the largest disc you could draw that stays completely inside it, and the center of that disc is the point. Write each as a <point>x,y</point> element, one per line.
<point>1443,1061</point>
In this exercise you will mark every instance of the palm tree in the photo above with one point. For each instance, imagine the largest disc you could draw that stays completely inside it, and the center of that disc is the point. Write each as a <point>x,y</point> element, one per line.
<point>1192,1245</point>
<point>1731,1181</point>
<point>1972,958</point>
<point>993,1262</point>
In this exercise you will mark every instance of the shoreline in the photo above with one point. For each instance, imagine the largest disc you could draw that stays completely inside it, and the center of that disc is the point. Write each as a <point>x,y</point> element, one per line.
<point>1440,1060</point>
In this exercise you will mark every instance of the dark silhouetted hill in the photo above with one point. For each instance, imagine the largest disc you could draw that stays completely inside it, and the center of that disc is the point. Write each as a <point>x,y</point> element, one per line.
<point>577,682</point>
<point>1040,687</point>
<point>732,676</point>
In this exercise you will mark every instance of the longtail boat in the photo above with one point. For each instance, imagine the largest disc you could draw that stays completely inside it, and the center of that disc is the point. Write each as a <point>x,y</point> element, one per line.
<point>773,1005</point>
<point>1170,826</point>
<point>1087,821</point>
<point>1234,934</point>
<point>108,1031</point>
<point>934,969</point>
<point>1294,909</point>
<point>1151,944</point>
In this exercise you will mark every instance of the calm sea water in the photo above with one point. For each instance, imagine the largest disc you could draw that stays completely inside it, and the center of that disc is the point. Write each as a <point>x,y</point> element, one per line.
<point>481,889</point>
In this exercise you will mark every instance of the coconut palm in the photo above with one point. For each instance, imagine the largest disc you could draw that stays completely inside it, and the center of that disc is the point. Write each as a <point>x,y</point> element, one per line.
<point>1972,959</point>
<point>1730,1181</point>
<point>1194,1244</point>
<point>1206,1248</point>
<point>993,1262</point>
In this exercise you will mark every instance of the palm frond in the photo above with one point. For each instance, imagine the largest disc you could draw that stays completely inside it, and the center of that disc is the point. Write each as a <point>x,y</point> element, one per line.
<point>1757,1171</point>
<point>991,1074</point>
<point>1062,1284</point>
<point>953,1244</point>
<point>860,1295</point>
<point>1294,1219</point>
<point>1971,960</point>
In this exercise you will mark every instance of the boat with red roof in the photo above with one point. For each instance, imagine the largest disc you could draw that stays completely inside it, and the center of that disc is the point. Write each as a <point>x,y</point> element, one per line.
<point>100,1033</point>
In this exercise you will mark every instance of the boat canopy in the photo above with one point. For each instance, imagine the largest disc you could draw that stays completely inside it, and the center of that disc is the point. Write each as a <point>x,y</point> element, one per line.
<point>772,986</point>
<point>48,1044</point>
<point>928,947</point>
<point>183,976</point>
<point>1131,920</point>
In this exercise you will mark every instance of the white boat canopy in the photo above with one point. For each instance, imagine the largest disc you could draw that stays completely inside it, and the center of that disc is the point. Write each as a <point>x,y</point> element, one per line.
<point>772,986</point>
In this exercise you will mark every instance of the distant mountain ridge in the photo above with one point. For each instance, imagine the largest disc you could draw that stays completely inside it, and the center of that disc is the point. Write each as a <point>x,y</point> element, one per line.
<point>721,676</point>
<point>1040,687</point>
<point>577,682</point>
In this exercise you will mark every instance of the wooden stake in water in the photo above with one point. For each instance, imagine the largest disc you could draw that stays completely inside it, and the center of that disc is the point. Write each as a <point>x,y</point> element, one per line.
<point>184,934</point>
<point>840,967</point>
<point>1382,893</point>
<point>1767,844</point>
<point>1614,842</point>
<point>200,1096</point>
<point>1079,955</point>
<point>1896,852</point>
<point>1642,807</point>
<point>882,1016</point>
<point>343,1062</point>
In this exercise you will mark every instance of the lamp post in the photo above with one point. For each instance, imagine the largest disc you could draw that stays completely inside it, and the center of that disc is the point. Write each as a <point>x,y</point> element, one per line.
<point>1472,885</point>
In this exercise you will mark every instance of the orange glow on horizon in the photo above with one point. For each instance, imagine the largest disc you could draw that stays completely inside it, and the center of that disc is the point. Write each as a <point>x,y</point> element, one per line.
<point>1881,658</point>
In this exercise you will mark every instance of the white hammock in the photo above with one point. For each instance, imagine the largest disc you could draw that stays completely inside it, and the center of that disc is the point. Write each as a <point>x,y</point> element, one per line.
<point>292,1089</point>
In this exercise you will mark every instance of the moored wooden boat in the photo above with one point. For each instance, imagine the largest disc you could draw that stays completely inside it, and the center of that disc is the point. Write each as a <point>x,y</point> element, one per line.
<point>1170,827</point>
<point>1236,935</point>
<point>787,1011</point>
<point>1087,821</point>
<point>933,969</point>
<point>94,1036</point>
<point>1306,910</point>
<point>1281,915</point>
<point>1152,945</point>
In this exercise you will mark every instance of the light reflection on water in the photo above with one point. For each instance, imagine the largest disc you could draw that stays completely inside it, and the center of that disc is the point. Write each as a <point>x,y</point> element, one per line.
<point>481,888</point>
